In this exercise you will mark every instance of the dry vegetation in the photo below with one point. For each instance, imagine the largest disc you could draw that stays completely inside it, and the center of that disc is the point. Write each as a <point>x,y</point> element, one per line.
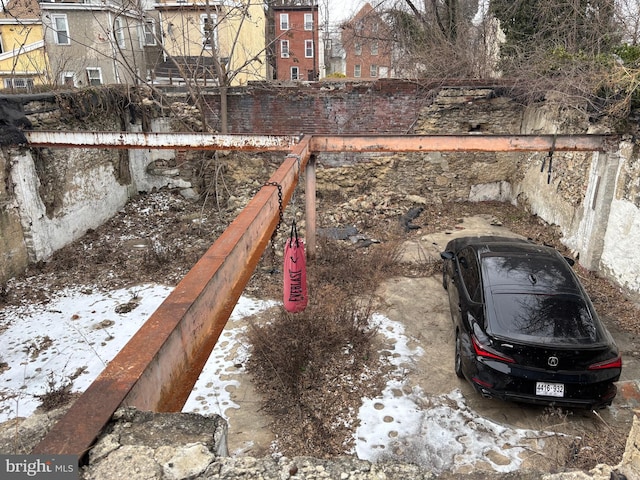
<point>313,367</point>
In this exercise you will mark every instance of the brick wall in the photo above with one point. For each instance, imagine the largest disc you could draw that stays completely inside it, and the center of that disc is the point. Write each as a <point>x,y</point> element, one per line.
<point>348,107</point>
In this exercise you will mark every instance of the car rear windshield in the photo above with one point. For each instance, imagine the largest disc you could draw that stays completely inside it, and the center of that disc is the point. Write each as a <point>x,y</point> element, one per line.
<point>545,319</point>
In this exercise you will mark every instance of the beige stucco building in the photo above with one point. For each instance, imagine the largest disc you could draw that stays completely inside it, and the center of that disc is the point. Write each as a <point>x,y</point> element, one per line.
<point>197,35</point>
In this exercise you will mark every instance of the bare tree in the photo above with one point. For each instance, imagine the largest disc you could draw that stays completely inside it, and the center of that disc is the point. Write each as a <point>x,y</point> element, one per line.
<point>442,38</point>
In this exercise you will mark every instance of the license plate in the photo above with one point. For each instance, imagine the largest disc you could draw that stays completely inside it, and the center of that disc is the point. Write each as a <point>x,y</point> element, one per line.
<point>550,389</point>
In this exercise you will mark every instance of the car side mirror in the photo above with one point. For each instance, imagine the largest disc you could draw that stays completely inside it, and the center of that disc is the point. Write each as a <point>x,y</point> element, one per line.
<point>446,255</point>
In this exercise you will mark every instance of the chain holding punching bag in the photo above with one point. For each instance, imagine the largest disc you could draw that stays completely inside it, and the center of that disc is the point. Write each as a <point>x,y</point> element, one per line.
<point>295,273</point>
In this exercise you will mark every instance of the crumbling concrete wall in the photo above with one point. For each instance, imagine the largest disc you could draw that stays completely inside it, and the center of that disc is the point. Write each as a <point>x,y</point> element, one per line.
<point>51,197</point>
<point>13,253</point>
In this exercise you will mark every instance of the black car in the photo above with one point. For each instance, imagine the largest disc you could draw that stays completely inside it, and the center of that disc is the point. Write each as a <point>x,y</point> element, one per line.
<point>525,329</point>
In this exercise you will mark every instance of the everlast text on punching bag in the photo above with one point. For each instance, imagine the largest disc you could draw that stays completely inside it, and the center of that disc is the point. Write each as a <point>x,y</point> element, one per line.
<point>295,273</point>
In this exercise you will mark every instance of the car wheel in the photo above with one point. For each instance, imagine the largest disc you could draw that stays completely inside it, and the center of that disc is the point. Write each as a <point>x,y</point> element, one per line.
<point>458,355</point>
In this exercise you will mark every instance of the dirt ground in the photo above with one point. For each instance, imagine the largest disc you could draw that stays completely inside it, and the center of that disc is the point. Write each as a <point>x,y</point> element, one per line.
<point>158,237</point>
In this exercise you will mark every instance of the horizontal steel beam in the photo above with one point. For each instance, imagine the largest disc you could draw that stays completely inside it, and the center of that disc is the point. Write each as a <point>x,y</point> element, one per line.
<point>325,143</point>
<point>460,143</point>
<point>186,141</point>
<point>157,368</point>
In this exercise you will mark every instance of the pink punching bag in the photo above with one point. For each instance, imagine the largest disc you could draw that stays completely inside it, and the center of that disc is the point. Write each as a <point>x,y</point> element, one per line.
<point>295,273</point>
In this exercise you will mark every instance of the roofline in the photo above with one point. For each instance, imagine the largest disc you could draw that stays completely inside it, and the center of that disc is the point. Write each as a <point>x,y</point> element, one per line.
<point>88,7</point>
<point>20,21</point>
<point>24,49</point>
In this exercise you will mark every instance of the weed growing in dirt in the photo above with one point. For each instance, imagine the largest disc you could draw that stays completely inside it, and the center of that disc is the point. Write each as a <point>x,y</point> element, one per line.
<point>598,442</point>
<point>604,445</point>
<point>314,367</point>
<point>56,395</point>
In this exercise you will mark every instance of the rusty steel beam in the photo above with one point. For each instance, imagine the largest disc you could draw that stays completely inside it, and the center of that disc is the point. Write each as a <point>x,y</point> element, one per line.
<point>155,140</point>
<point>324,143</point>
<point>310,187</point>
<point>157,368</point>
<point>460,143</point>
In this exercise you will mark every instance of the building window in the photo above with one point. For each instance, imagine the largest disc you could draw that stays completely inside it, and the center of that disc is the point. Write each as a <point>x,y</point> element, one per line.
<point>148,34</point>
<point>60,29</point>
<point>284,21</point>
<point>374,48</point>
<point>118,32</point>
<point>295,73</point>
<point>373,70</point>
<point>357,48</point>
<point>208,30</point>
<point>68,79</point>
<point>94,76</point>
<point>308,21</point>
<point>357,70</point>
<point>308,48</point>
<point>284,48</point>
<point>1,46</point>
<point>19,83</point>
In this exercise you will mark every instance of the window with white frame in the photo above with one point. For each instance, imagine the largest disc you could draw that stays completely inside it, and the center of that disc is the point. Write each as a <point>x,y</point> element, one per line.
<point>284,48</point>
<point>373,70</point>
<point>208,28</point>
<point>19,83</point>
<point>148,33</point>
<point>60,29</point>
<point>357,48</point>
<point>118,32</point>
<point>284,21</point>
<point>68,79</point>
<point>308,48</point>
<point>357,70</point>
<point>308,21</point>
<point>374,47</point>
<point>1,46</point>
<point>94,76</point>
<point>295,73</point>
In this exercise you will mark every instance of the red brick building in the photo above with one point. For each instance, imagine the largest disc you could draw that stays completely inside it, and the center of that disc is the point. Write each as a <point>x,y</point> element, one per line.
<point>296,39</point>
<point>367,44</point>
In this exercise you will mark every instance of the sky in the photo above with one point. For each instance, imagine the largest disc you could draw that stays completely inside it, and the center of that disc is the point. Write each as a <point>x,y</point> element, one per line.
<point>340,10</point>
<point>80,331</point>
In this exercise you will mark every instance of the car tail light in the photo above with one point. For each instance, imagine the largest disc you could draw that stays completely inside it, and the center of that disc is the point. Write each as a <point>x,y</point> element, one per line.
<point>488,352</point>
<point>611,363</point>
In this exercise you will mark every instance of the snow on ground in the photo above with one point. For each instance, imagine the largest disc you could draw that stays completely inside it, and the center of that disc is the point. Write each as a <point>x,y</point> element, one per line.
<point>80,331</point>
